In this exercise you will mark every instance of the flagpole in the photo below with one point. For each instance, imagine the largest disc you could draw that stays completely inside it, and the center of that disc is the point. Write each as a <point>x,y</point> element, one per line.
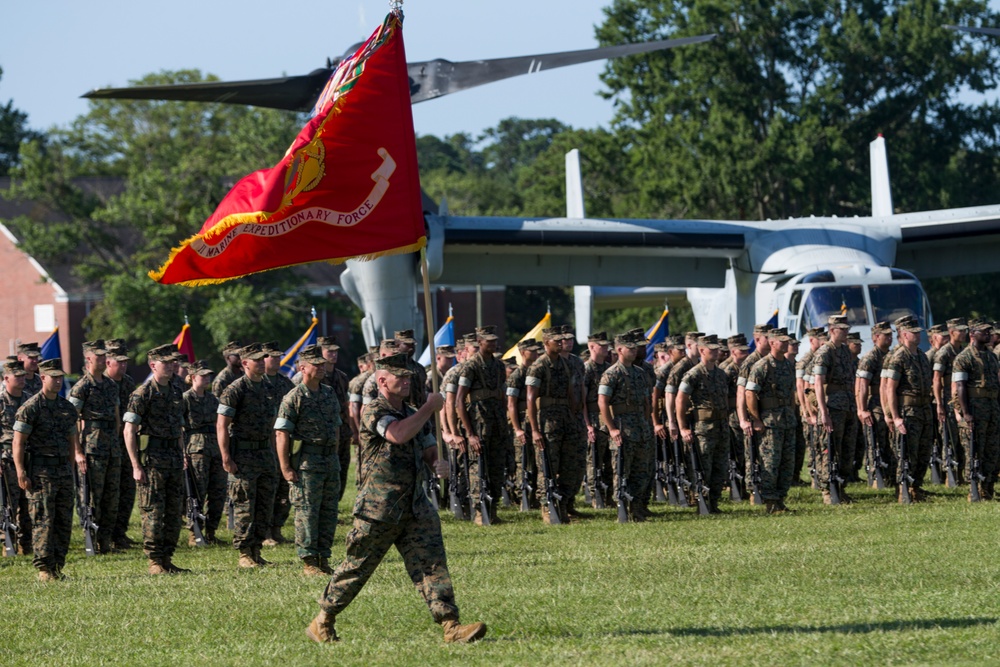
<point>429,322</point>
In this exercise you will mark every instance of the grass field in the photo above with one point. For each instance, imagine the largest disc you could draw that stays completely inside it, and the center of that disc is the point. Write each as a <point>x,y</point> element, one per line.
<point>872,583</point>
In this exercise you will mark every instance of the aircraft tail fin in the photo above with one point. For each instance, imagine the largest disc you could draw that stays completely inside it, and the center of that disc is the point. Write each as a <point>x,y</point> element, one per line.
<point>881,190</point>
<point>574,186</point>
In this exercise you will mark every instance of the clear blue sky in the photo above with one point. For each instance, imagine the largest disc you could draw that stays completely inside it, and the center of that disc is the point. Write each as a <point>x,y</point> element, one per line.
<point>52,52</point>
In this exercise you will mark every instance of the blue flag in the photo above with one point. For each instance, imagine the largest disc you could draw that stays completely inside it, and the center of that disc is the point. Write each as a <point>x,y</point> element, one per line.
<point>444,336</point>
<point>291,357</point>
<point>51,350</point>
<point>657,334</point>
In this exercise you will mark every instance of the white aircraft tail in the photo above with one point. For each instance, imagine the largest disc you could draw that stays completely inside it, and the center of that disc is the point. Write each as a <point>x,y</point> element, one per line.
<point>574,186</point>
<point>881,190</point>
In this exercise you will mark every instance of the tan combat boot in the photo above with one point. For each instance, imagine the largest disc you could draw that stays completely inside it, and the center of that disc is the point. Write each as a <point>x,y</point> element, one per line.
<point>310,567</point>
<point>321,629</point>
<point>827,500</point>
<point>192,541</point>
<point>462,634</point>
<point>247,560</point>
<point>324,565</point>
<point>157,567</point>
<point>545,515</point>
<point>47,575</point>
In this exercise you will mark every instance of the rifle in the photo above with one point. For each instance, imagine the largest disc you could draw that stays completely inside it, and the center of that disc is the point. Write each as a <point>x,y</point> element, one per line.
<point>526,488</point>
<point>600,488</point>
<point>508,484</point>
<point>975,476</point>
<point>470,498</point>
<point>86,512</point>
<point>666,472</point>
<point>230,515</point>
<point>7,515</point>
<point>485,499</point>
<point>754,471</point>
<point>833,468</point>
<point>905,479</point>
<point>700,488</point>
<point>194,505</point>
<point>735,478</point>
<point>660,476</point>
<point>552,496</point>
<point>874,464</point>
<point>680,482</point>
<point>432,488</point>
<point>935,463</point>
<point>453,496</point>
<point>950,464</point>
<point>622,495</point>
<point>813,454</point>
<point>587,498</point>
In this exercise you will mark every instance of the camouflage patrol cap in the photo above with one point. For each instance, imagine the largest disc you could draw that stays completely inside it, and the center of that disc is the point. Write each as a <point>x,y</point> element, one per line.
<point>11,358</point>
<point>510,362</point>
<point>117,349</point>
<point>904,320</point>
<point>15,368</point>
<point>854,336</point>
<point>600,337</point>
<point>676,340</point>
<point>29,349</point>
<point>625,340</point>
<point>792,340</point>
<point>761,328</point>
<point>328,342</point>
<point>488,332</point>
<point>199,368</point>
<point>373,349</point>
<point>738,342</point>
<point>395,364</point>
<point>312,354</point>
<point>470,338</point>
<point>815,332</point>
<point>446,350</point>
<point>661,347</point>
<point>252,352</point>
<point>552,333</point>
<point>880,328</point>
<point>363,359</point>
<point>232,348</point>
<point>837,322</point>
<point>161,353</point>
<point>388,345</point>
<point>979,325</point>
<point>693,335</point>
<point>710,341</point>
<point>405,336</point>
<point>523,345</point>
<point>957,324</point>
<point>95,347</point>
<point>567,332</point>
<point>778,333</point>
<point>272,349</point>
<point>51,367</point>
<point>585,355</point>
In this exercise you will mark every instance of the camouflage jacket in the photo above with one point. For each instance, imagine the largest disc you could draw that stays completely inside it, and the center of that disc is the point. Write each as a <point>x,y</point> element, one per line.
<point>356,385</point>
<point>252,407</point>
<point>391,474</point>
<point>8,408</point>
<point>449,383</point>
<point>313,417</point>
<point>158,411</point>
<point>552,380</point>
<point>49,426</point>
<point>870,370</point>
<point>487,380</point>
<point>33,386</point>
<point>943,363</point>
<point>912,373</point>
<point>626,389</point>
<point>773,381</point>
<point>977,368</point>
<point>677,372</point>
<point>225,378</point>
<point>200,416</point>
<point>832,366</point>
<point>708,389</point>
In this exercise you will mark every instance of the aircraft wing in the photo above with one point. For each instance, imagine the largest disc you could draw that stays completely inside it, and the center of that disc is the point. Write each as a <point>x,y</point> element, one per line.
<point>951,242</point>
<point>574,251</point>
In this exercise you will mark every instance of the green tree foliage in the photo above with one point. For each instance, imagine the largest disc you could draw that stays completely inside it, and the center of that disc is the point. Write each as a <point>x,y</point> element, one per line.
<point>13,132</point>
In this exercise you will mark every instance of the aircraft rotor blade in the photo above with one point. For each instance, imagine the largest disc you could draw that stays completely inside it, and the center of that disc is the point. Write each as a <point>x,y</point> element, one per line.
<point>435,78</point>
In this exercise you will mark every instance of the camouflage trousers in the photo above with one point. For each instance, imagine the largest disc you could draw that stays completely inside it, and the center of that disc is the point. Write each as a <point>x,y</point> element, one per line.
<point>103,478</point>
<point>636,466</point>
<point>919,423</point>
<point>19,504</point>
<point>494,457</point>
<point>282,503</point>
<point>987,438</point>
<point>315,497</point>
<point>344,457</point>
<point>126,497</point>
<point>836,442</point>
<point>737,438</point>
<point>599,466</point>
<point>566,456</point>
<point>210,483</point>
<point>776,446</point>
<point>524,458</point>
<point>849,445</point>
<point>712,439</point>
<point>252,492</point>
<point>800,447</point>
<point>161,506</point>
<point>50,502</point>
<point>419,542</point>
<point>880,434</point>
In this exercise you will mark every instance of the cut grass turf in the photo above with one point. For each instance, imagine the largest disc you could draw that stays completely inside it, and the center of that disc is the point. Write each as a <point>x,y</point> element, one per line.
<point>872,583</point>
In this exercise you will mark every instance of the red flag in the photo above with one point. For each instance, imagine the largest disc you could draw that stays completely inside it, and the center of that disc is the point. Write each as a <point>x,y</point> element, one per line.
<point>347,187</point>
<point>184,343</point>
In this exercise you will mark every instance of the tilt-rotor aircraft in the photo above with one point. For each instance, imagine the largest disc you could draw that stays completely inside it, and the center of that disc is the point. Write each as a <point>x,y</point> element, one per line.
<point>735,273</point>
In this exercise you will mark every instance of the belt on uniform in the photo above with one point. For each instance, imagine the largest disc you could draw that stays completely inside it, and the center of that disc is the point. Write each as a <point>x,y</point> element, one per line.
<point>484,394</point>
<point>154,443</point>
<point>981,392</point>
<point>251,445</point>
<point>50,461</point>
<point>834,388</point>
<point>204,430</point>
<point>771,403</point>
<point>99,423</point>
<point>919,401</point>
<point>624,409</point>
<point>315,448</point>
<point>545,401</point>
<point>708,415</point>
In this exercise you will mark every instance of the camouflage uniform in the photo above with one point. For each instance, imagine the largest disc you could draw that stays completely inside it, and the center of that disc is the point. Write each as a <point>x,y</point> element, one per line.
<point>804,370</point>
<point>556,420</point>
<point>337,380</point>
<point>626,389</point>
<point>392,509</point>
<point>9,406</point>
<point>202,447</point>
<point>49,426</point>
<point>251,406</point>
<point>773,381</point>
<point>978,369</point>
<point>33,385</point>
<point>912,373</point>
<point>524,451</point>
<point>126,482</point>
<point>485,381</point>
<point>870,368</point>
<point>158,411</point>
<point>449,385</point>
<point>578,372</point>
<point>280,385</point>
<point>709,398</point>
<point>832,366</point>
<point>593,372</point>
<point>312,420</point>
<point>225,378</point>
<point>97,403</point>
<point>944,360</point>
<point>732,372</point>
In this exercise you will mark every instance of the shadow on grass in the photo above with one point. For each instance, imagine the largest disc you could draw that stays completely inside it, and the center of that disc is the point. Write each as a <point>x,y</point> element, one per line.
<point>845,628</point>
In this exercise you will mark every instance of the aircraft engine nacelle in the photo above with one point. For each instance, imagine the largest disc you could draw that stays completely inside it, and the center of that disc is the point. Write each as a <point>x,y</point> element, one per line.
<point>385,289</point>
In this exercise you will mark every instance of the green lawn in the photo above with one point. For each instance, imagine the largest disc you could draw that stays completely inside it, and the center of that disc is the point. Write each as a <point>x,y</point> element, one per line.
<point>872,583</point>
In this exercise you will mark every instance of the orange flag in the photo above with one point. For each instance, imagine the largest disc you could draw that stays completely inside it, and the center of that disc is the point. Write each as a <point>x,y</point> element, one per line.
<point>184,343</point>
<point>347,187</point>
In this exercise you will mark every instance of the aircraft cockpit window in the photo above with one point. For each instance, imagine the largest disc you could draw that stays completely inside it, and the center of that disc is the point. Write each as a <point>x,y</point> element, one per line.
<point>823,302</point>
<point>893,301</point>
<point>818,277</point>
